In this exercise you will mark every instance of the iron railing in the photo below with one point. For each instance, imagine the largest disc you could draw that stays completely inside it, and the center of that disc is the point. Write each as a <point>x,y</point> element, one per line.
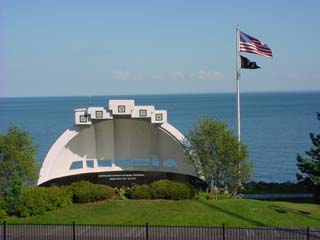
<point>149,232</point>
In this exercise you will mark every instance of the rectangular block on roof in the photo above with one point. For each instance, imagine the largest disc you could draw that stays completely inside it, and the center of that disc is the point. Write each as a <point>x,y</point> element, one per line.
<point>99,113</point>
<point>142,111</point>
<point>159,116</point>
<point>121,107</point>
<point>81,117</point>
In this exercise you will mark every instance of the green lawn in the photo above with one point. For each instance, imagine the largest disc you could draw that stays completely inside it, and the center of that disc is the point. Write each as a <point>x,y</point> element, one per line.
<point>231,212</point>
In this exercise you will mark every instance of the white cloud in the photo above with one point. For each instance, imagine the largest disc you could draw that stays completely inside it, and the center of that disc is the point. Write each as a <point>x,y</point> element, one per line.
<point>201,74</point>
<point>121,75</point>
<point>207,75</point>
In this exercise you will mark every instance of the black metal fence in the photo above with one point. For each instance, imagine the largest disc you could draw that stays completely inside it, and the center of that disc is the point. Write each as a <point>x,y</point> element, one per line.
<point>148,232</point>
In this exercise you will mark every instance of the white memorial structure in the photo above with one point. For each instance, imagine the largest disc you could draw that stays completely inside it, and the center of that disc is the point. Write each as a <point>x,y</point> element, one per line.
<point>118,146</point>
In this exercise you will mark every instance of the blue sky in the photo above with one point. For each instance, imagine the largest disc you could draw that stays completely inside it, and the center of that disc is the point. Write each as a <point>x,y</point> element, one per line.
<point>67,48</point>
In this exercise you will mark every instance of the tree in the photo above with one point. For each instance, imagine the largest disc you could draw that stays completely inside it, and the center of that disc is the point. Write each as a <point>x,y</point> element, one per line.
<point>17,165</point>
<point>217,155</point>
<point>310,167</point>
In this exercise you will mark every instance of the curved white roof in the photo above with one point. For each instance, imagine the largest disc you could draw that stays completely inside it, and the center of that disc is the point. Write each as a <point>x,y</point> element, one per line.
<point>123,137</point>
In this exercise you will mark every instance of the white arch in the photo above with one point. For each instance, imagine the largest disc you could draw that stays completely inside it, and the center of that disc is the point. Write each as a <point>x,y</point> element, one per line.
<point>128,138</point>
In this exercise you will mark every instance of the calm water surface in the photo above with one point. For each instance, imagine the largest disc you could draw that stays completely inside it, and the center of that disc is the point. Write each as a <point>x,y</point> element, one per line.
<point>275,126</point>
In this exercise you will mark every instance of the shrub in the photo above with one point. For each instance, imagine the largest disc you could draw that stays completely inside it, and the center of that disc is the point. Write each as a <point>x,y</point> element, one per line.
<point>3,213</point>
<point>84,192</point>
<point>121,193</point>
<point>139,192</point>
<point>59,197</point>
<point>165,189</point>
<point>38,200</point>
<point>204,196</point>
<point>12,199</point>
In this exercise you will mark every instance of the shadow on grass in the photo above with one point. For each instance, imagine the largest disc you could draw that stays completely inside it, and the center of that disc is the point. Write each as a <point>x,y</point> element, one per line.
<point>281,209</point>
<point>233,214</point>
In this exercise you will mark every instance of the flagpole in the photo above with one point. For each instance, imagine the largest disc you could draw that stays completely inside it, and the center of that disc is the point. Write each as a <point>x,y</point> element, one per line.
<point>238,81</point>
<point>238,93</point>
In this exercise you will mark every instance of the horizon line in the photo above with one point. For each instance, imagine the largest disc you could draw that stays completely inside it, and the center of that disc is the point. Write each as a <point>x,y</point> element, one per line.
<point>159,94</point>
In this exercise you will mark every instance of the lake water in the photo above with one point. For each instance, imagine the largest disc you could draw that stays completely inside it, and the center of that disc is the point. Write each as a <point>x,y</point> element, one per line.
<point>275,126</point>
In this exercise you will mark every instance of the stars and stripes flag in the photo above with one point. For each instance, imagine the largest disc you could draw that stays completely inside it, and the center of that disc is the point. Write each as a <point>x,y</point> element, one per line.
<point>253,45</point>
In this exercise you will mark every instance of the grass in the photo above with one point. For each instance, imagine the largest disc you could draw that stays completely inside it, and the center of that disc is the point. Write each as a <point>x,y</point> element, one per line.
<point>231,212</point>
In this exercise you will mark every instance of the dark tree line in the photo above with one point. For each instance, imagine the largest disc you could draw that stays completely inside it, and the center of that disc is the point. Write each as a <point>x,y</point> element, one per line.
<point>310,166</point>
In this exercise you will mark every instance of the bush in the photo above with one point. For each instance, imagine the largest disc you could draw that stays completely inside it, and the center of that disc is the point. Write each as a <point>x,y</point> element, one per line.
<point>38,200</point>
<point>139,192</point>
<point>3,213</point>
<point>121,193</point>
<point>84,192</point>
<point>165,189</point>
<point>59,197</point>
<point>204,196</point>
<point>12,199</point>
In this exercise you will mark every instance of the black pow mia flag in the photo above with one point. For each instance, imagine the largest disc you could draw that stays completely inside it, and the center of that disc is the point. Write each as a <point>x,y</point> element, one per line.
<point>247,64</point>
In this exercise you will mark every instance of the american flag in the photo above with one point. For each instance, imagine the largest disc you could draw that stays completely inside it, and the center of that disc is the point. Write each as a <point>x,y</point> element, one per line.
<point>252,45</point>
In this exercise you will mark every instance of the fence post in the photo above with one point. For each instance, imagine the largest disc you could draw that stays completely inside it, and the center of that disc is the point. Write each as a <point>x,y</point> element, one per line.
<point>73,230</point>
<point>223,232</point>
<point>147,231</point>
<point>308,233</point>
<point>4,230</point>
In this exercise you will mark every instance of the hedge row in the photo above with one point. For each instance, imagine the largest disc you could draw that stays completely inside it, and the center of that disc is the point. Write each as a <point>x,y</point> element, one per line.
<point>139,192</point>
<point>84,192</point>
<point>3,213</point>
<point>35,201</point>
<point>162,189</point>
